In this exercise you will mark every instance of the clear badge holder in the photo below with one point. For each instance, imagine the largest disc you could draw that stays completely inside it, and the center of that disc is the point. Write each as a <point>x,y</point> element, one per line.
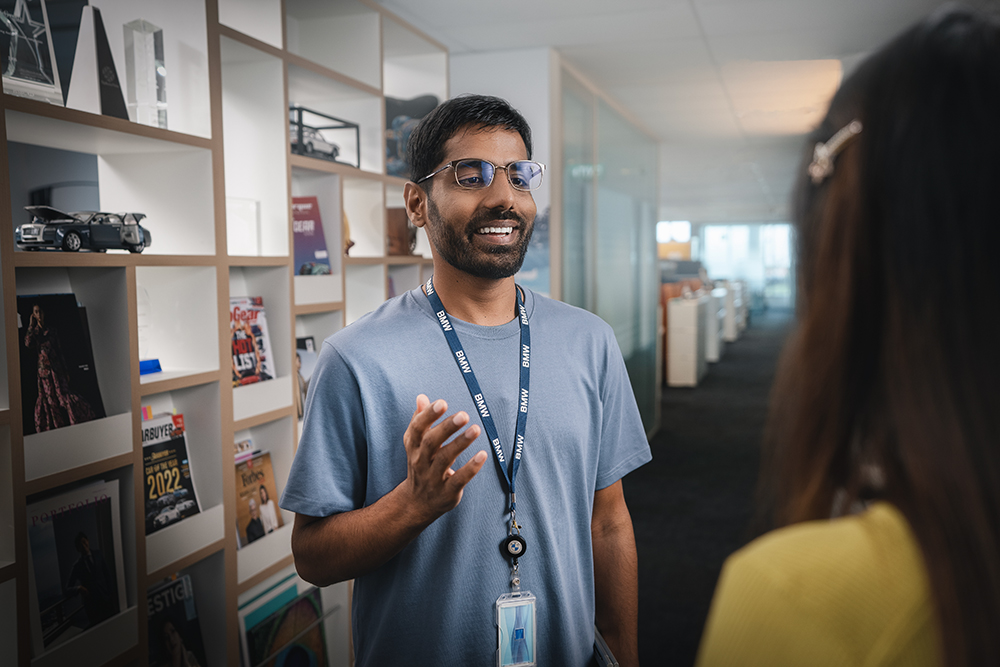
<point>516,630</point>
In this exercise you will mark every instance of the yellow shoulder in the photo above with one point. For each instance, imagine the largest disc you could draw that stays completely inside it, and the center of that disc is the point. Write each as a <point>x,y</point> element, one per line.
<point>852,590</point>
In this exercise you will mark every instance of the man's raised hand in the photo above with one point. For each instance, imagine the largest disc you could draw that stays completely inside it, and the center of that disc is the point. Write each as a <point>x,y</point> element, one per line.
<point>434,486</point>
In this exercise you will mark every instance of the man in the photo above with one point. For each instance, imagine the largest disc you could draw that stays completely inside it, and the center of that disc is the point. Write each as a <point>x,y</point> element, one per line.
<point>393,498</point>
<point>255,527</point>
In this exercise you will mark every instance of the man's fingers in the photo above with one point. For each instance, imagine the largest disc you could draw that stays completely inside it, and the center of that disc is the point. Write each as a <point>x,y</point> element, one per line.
<point>465,474</point>
<point>425,415</point>
<point>446,455</point>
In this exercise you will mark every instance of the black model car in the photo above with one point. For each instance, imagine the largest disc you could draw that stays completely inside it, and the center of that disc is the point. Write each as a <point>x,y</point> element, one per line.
<point>93,230</point>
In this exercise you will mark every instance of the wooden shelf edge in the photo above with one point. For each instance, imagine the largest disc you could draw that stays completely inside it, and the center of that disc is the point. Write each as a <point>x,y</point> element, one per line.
<point>60,259</point>
<point>252,42</point>
<point>246,260</point>
<point>264,574</point>
<point>129,657</point>
<point>160,386</point>
<point>264,418</point>
<point>8,571</point>
<point>363,261</point>
<point>339,168</point>
<point>5,413</point>
<point>313,308</point>
<point>185,562</point>
<point>324,71</point>
<point>77,117</point>
<point>405,259</point>
<point>57,479</point>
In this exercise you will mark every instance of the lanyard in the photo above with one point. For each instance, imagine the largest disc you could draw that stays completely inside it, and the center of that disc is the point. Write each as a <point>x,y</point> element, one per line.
<point>510,470</point>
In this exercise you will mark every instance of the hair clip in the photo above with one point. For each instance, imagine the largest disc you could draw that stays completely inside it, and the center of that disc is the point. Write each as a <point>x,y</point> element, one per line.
<point>822,163</point>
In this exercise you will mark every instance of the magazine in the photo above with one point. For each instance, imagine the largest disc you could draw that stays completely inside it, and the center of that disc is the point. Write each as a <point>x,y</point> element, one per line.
<point>76,576</point>
<point>168,486</point>
<point>243,449</point>
<point>174,631</point>
<point>256,508</point>
<point>58,378</point>
<point>291,634</point>
<point>252,359</point>
<point>305,363</point>
<point>311,256</point>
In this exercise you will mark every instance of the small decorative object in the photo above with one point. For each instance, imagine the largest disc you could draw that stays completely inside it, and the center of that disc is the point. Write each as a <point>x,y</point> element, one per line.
<point>94,85</point>
<point>401,117</point>
<point>148,362</point>
<point>145,73</point>
<point>82,230</point>
<point>307,132</point>
<point>27,56</point>
<point>402,234</point>
<point>311,255</point>
<point>348,243</point>
<point>243,226</point>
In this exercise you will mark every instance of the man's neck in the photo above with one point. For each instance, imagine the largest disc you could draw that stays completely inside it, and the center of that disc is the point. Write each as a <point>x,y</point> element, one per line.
<point>482,301</point>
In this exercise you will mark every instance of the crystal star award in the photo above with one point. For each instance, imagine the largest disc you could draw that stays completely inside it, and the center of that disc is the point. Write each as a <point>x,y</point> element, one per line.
<point>145,74</point>
<point>27,57</point>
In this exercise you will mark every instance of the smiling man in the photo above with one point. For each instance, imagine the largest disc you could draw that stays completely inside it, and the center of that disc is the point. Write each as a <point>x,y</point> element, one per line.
<point>455,564</point>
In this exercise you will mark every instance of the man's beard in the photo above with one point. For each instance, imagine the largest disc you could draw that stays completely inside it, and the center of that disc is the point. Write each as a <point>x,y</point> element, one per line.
<point>493,262</point>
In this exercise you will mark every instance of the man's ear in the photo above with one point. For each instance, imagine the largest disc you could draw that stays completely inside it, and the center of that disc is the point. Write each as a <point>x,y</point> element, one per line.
<point>415,201</point>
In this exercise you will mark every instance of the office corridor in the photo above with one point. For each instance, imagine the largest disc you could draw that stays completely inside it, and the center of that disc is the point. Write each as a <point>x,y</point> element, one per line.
<point>691,505</point>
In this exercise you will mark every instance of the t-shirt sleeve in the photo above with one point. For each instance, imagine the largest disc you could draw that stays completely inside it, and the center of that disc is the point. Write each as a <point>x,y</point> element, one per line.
<point>624,446</point>
<point>754,622</point>
<point>330,467</point>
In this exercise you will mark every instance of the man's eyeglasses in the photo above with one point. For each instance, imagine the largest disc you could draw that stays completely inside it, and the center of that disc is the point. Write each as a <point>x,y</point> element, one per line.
<point>523,175</point>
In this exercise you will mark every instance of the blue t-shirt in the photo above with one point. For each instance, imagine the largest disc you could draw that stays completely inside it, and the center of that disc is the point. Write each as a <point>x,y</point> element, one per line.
<point>434,602</point>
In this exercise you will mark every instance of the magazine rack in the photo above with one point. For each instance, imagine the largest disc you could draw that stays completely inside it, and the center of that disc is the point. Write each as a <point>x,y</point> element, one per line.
<point>216,186</point>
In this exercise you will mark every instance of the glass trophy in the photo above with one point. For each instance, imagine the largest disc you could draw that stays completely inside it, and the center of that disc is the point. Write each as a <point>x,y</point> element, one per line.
<point>27,58</point>
<point>145,73</point>
<point>148,361</point>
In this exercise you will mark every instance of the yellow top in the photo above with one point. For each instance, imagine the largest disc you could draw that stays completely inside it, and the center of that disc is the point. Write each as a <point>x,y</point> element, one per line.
<point>850,591</point>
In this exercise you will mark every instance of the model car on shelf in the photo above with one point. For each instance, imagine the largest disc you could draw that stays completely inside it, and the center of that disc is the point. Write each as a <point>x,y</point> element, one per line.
<point>82,230</point>
<point>309,131</point>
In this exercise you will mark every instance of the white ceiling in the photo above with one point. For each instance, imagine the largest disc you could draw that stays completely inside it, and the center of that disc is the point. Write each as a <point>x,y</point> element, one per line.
<point>727,86</point>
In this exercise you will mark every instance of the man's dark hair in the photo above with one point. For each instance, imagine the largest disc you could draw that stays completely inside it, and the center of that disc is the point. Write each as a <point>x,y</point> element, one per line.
<point>425,149</point>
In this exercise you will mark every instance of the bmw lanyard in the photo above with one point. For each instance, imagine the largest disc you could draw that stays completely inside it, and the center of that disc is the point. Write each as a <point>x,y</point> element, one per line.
<point>513,546</point>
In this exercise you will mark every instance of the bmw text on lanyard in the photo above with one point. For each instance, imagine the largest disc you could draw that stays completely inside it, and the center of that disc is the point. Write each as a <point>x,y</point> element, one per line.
<point>513,546</point>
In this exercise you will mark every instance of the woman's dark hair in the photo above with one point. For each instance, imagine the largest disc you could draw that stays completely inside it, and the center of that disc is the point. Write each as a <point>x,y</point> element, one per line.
<point>894,365</point>
<point>425,149</point>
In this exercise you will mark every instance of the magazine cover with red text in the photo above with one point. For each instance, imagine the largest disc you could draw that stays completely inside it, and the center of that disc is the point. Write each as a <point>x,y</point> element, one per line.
<point>252,360</point>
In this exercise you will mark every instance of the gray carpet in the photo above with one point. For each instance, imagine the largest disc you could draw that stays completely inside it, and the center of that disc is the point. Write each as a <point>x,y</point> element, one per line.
<point>692,504</point>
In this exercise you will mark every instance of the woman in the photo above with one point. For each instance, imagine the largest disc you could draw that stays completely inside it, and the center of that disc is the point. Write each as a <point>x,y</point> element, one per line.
<point>57,405</point>
<point>268,513</point>
<point>885,413</point>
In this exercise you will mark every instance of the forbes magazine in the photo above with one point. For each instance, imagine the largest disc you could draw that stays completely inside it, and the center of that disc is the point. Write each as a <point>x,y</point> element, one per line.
<point>257,513</point>
<point>167,482</point>
<point>76,574</point>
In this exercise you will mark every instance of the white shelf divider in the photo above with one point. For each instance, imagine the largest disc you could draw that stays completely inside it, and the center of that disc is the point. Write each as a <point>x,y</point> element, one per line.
<point>100,644</point>
<point>73,446</point>
<point>174,542</point>
<point>260,397</point>
<point>263,553</point>
<point>260,19</point>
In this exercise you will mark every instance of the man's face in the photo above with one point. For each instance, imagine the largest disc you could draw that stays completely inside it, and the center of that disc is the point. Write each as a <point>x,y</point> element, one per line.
<point>253,509</point>
<point>483,233</point>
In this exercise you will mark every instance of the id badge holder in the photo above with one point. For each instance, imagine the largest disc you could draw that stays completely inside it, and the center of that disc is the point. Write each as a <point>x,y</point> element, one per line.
<point>516,630</point>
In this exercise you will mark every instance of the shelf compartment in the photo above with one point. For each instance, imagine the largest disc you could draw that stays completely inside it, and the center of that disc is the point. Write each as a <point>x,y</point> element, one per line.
<point>208,584</point>
<point>342,36</point>
<point>100,644</point>
<point>178,320</point>
<point>275,437</point>
<point>319,325</point>
<point>6,500</point>
<point>259,19</point>
<point>132,173</point>
<point>185,58</point>
<point>412,65</point>
<point>255,148</point>
<point>364,206</point>
<point>314,91</point>
<point>366,289</point>
<point>403,278</point>
<point>8,622</point>
<point>325,187</point>
<point>201,409</point>
<point>272,284</point>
